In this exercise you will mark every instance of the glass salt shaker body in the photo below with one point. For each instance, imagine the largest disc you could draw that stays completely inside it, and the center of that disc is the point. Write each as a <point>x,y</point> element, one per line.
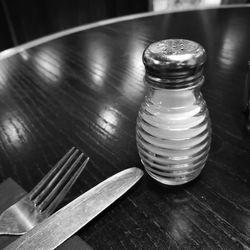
<point>173,129</point>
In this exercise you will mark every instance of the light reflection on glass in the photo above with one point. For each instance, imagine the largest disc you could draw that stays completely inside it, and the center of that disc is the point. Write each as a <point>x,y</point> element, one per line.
<point>108,120</point>
<point>14,130</point>
<point>49,65</point>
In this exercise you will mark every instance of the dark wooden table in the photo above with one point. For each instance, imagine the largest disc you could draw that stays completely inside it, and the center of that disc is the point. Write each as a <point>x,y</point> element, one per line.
<point>85,89</point>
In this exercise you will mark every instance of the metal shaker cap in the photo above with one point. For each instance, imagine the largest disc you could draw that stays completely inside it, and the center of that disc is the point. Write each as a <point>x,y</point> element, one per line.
<point>174,62</point>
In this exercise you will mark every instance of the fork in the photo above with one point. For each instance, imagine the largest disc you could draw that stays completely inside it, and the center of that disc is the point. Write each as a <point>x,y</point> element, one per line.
<point>44,198</point>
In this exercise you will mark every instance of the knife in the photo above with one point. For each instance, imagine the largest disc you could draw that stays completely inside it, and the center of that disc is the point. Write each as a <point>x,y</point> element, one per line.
<point>54,230</point>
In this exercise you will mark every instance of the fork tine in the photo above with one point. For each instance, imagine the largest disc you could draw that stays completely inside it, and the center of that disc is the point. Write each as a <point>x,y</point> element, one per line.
<point>53,177</point>
<point>49,192</point>
<point>62,180</point>
<point>49,175</point>
<point>53,205</point>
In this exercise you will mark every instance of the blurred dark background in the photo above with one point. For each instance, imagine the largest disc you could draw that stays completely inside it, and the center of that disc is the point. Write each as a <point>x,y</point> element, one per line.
<point>25,20</point>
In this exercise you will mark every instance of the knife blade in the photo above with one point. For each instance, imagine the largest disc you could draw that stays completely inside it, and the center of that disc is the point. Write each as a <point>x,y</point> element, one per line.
<point>53,231</point>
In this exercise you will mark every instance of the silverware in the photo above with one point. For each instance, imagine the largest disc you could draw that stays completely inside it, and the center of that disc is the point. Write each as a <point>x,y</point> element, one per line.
<point>44,198</point>
<point>64,223</point>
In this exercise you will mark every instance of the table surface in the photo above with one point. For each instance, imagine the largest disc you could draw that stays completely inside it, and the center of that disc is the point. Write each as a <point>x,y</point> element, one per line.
<point>85,89</point>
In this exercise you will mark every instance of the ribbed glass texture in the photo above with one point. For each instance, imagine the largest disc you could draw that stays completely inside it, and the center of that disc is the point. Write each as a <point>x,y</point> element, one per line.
<point>173,134</point>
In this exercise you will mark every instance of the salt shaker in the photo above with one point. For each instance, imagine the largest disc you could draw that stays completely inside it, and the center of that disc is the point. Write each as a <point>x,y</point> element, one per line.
<point>173,130</point>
